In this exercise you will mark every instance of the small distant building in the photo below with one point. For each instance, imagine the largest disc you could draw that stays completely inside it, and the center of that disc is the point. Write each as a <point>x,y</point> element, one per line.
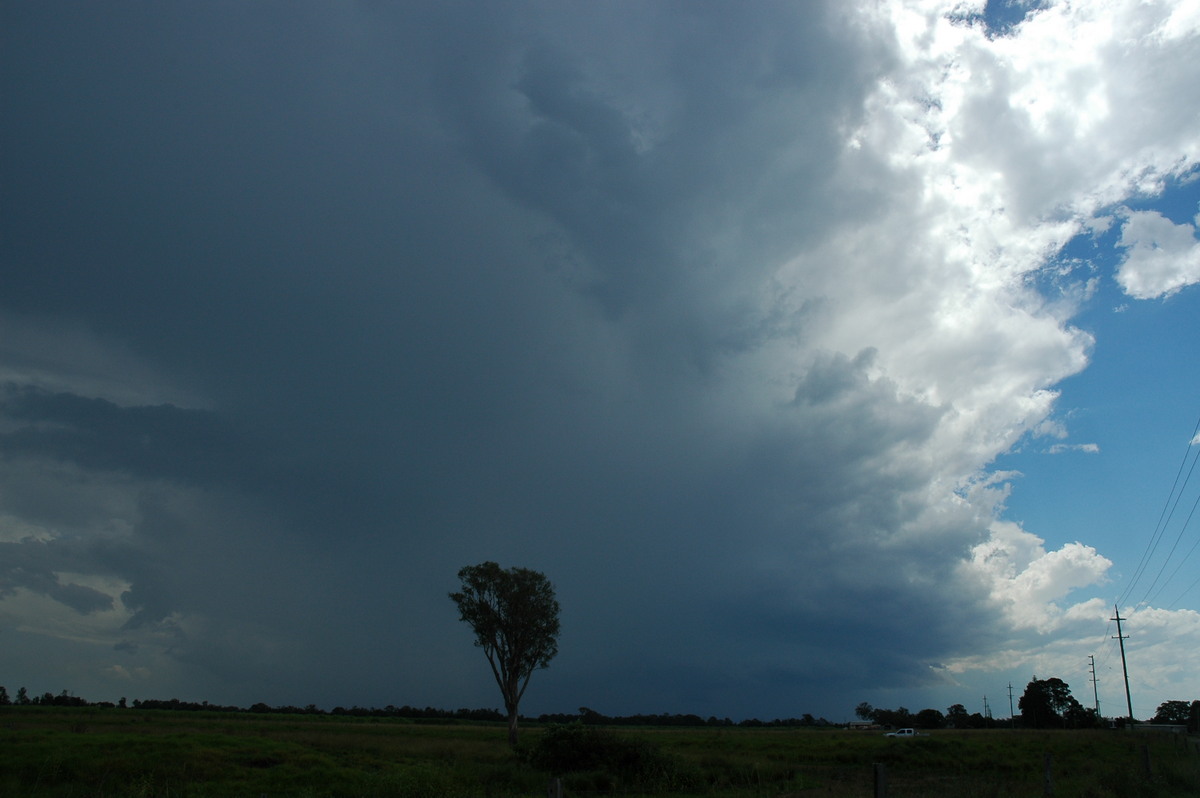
<point>1170,728</point>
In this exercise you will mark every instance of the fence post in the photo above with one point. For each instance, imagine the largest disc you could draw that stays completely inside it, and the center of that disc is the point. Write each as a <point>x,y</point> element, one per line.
<point>554,789</point>
<point>880,780</point>
<point>1048,776</point>
<point>1146,760</point>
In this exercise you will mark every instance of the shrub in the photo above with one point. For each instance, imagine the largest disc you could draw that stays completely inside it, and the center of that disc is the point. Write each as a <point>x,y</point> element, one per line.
<point>608,759</point>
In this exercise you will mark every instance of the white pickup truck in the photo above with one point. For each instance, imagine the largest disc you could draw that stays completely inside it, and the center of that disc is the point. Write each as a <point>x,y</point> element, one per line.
<point>903,733</point>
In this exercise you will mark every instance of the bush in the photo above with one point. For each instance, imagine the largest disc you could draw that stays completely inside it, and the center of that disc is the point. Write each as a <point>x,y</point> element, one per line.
<point>608,759</point>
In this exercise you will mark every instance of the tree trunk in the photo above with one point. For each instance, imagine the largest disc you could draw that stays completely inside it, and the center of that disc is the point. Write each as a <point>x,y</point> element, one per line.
<point>512,727</point>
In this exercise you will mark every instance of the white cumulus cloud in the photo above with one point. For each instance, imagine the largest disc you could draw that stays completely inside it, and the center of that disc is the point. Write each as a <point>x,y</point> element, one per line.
<point>1161,257</point>
<point>1028,582</point>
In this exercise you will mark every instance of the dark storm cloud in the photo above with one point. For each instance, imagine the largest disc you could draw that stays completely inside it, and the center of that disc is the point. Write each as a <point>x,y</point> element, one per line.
<point>464,282</point>
<point>32,564</point>
<point>627,175</point>
<point>162,441</point>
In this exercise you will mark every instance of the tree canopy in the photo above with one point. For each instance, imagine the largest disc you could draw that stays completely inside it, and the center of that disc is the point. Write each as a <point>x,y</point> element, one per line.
<point>1179,712</point>
<point>958,717</point>
<point>514,615</point>
<point>1048,703</point>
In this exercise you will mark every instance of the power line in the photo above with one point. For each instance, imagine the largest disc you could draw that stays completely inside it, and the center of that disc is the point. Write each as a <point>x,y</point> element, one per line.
<point>1167,512</point>
<point>1106,643</point>
<point>1172,552</point>
<point>1185,592</point>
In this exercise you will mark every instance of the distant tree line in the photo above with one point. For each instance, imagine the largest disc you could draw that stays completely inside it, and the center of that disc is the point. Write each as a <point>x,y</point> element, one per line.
<point>955,717</point>
<point>390,711</point>
<point>65,699</point>
<point>585,716</point>
<point>590,717</point>
<point>1045,704</point>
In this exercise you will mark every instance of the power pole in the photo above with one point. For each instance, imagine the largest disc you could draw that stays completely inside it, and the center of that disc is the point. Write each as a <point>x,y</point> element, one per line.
<point>1124,668</point>
<point>1012,721</point>
<point>1095,695</point>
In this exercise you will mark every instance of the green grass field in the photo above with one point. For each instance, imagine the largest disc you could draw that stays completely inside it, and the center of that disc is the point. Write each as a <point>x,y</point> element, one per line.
<point>51,751</point>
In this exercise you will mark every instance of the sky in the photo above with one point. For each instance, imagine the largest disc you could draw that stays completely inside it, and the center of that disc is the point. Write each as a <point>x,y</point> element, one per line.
<point>817,352</point>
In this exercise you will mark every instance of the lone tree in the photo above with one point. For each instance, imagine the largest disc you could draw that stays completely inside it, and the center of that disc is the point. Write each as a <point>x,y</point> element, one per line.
<point>515,618</point>
<point>1049,703</point>
<point>957,717</point>
<point>1168,711</point>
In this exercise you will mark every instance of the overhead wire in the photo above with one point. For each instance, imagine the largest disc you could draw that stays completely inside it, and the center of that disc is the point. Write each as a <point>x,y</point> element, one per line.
<point>1164,517</point>
<point>1174,497</point>
<point>1179,565</point>
<point>1186,590</point>
<point>1106,644</point>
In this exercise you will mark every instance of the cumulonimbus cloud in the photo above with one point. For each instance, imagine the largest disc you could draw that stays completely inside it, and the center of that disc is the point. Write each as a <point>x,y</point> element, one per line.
<point>734,311</point>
